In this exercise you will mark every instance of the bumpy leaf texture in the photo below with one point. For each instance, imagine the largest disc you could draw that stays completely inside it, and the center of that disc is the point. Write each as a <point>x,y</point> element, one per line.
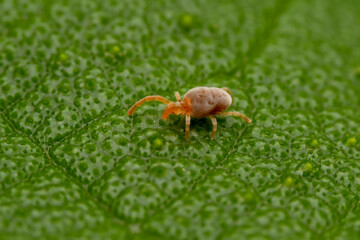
<point>74,165</point>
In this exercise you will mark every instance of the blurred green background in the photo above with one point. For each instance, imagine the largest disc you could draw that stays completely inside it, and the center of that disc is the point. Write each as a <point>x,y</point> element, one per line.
<point>73,165</point>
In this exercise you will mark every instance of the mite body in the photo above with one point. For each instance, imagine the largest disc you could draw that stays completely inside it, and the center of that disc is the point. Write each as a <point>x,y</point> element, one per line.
<point>208,101</point>
<point>198,102</point>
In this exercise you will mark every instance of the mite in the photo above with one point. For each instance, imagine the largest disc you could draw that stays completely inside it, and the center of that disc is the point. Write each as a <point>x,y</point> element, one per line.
<point>198,102</point>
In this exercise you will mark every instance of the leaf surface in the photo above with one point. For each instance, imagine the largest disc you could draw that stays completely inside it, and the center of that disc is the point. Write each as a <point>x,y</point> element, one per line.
<point>73,165</point>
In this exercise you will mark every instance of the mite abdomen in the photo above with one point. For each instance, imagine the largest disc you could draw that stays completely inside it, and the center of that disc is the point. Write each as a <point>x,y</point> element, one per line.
<point>207,101</point>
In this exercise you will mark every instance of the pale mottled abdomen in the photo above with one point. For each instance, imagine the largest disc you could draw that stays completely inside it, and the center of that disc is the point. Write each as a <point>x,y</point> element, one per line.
<point>207,101</point>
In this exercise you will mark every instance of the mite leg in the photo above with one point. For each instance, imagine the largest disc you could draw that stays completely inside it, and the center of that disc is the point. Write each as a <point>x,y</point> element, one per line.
<point>214,123</point>
<point>187,126</point>
<point>177,94</point>
<point>147,99</point>
<point>236,114</point>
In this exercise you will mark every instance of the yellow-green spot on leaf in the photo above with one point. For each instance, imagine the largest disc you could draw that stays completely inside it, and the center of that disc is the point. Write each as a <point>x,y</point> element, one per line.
<point>308,167</point>
<point>158,143</point>
<point>289,182</point>
<point>187,21</point>
<point>63,57</point>
<point>248,197</point>
<point>314,143</point>
<point>351,141</point>
<point>115,50</point>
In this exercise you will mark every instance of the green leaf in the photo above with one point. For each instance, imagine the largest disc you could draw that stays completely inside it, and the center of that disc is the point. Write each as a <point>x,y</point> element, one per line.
<point>74,165</point>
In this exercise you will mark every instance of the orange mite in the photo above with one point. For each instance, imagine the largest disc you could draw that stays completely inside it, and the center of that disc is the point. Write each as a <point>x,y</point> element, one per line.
<point>198,102</point>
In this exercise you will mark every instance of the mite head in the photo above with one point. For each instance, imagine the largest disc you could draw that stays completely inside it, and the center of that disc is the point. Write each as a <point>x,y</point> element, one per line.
<point>181,107</point>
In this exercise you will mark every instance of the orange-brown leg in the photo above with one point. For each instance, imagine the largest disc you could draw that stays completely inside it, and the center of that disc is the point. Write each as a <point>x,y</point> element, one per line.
<point>177,95</point>
<point>214,123</point>
<point>187,126</point>
<point>236,114</point>
<point>169,109</point>
<point>147,99</point>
